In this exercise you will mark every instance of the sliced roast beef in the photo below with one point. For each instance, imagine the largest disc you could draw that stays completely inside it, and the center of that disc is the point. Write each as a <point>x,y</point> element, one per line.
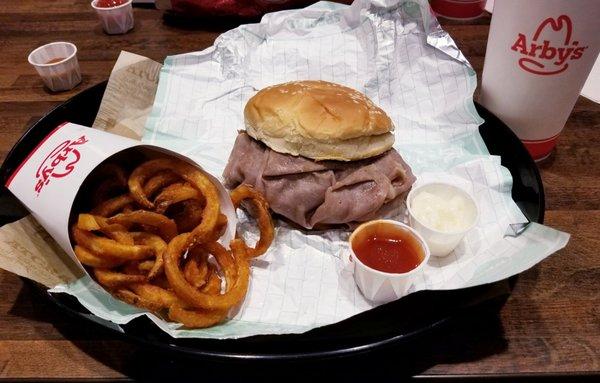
<point>312,193</point>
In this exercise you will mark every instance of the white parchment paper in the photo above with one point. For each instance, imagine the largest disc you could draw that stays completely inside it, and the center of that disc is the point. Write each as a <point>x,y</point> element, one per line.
<point>395,52</point>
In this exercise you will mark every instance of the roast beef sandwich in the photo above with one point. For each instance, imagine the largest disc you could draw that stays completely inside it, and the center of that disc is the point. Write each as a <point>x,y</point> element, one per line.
<point>321,153</point>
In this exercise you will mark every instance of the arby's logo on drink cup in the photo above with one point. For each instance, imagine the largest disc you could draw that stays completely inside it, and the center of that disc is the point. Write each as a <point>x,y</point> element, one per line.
<point>59,163</point>
<point>551,48</point>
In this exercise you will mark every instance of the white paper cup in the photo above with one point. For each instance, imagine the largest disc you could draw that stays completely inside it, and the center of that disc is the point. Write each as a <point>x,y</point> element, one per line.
<point>60,75</point>
<point>539,55</point>
<point>115,20</point>
<point>50,177</point>
<point>379,286</point>
<point>441,243</point>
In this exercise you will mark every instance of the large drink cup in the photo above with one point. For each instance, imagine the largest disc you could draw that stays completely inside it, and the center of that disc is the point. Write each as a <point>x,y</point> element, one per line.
<point>539,54</point>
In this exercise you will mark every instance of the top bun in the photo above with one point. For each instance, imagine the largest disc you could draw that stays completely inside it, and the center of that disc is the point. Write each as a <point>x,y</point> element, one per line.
<point>318,120</point>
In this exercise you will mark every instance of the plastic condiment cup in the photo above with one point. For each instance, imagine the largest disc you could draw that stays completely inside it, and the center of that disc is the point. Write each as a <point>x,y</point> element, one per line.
<point>441,243</point>
<point>57,64</point>
<point>115,20</point>
<point>380,286</point>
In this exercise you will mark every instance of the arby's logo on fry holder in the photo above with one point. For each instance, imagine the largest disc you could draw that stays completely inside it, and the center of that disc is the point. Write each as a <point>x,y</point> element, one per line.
<point>542,56</point>
<point>50,175</point>
<point>60,162</point>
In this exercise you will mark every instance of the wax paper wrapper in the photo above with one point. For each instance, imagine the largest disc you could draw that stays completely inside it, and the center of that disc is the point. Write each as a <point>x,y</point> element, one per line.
<point>129,95</point>
<point>396,53</point>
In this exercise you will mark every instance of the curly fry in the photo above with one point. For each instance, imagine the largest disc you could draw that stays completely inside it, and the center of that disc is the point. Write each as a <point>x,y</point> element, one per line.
<point>213,282</point>
<point>159,247</point>
<point>199,318</point>
<point>112,206</point>
<point>117,232</point>
<point>166,226</point>
<point>192,175</point>
<point>159,181</point>
<point>160,297</point>
<point>261,207</point>
<point>110,248</point>
<point>236,289</point>
<point>88,258</point>
<point>196,268</point>
<point>112,279</point>
<point>175,193</point>
<point>189,217</point>
<point>134,299</point>
<point>146,266</point>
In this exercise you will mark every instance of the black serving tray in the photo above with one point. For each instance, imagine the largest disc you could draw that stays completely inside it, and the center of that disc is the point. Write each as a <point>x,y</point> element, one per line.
<point>385,325</point>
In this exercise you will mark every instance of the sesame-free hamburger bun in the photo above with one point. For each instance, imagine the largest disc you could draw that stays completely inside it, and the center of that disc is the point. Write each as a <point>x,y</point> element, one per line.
<point>318,120</point>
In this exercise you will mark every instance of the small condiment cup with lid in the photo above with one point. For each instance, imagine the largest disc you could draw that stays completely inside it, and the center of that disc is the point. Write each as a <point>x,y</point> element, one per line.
<point>116,16</point>
<point>443,214</point>
<point>57,65</point>
<point>388,256</point>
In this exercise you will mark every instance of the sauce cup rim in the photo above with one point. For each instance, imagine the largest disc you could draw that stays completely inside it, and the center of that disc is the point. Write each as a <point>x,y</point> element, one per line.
<point>413,191</point>
<point>93,4</point>
<point>69,57</point>
<point>393,223</point>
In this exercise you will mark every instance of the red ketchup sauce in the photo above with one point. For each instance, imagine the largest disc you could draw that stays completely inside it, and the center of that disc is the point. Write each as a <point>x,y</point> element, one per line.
<point>109,3</point>
<point>388,248</point>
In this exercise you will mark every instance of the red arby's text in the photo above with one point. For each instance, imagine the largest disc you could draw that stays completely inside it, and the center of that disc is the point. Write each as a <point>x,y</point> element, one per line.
<point>545,57</point>
<point>59,163</point>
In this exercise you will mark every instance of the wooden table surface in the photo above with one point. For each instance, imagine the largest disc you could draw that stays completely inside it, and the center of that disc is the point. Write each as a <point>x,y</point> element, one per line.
<point>549,325</point>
